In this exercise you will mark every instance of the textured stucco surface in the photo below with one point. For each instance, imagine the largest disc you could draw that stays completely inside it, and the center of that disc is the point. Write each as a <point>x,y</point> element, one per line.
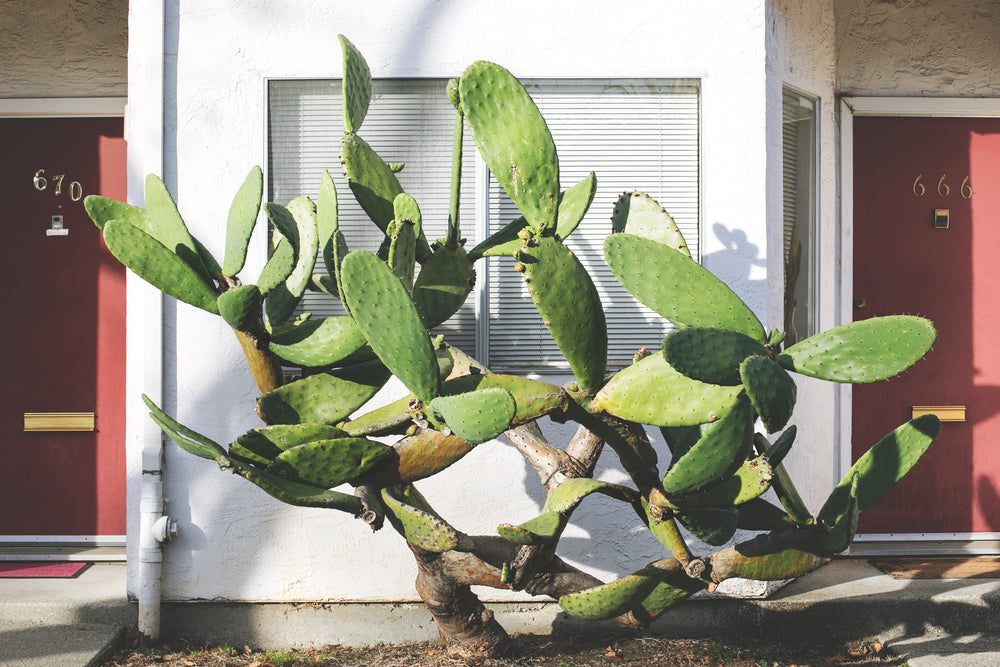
<point>918,47</point>
<point>235,542</point>
<point>63,49</point>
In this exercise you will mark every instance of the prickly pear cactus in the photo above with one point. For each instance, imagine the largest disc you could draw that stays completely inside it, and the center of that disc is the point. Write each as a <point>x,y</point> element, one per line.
<point>712,382</point>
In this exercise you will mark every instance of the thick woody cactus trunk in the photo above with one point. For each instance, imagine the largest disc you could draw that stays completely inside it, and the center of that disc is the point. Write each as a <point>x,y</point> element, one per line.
<point>467,628</point>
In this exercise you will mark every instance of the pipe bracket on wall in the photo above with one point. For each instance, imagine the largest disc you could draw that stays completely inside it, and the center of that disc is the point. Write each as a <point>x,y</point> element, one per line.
<point>59,421</point>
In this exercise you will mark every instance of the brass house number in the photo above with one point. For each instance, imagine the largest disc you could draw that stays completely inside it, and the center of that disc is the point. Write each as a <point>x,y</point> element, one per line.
<point>74,189</point>
<point>943,189</point>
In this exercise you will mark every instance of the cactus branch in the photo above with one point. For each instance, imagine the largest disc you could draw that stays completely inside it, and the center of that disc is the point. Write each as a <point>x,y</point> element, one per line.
<point>454,233</point>
<point>265,369</point>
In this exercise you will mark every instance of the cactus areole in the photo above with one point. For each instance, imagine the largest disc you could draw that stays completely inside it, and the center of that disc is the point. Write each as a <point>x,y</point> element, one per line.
<point>717,383</point>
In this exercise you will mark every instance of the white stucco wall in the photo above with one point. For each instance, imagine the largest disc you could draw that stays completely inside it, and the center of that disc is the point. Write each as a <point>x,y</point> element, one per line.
<point>237,543</point>
<point>918,48</point>
<point>802,55</point>
<point>63,49</point>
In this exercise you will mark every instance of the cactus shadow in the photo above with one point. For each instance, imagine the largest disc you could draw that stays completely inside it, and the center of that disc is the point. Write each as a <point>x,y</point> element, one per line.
<point>736,262</point>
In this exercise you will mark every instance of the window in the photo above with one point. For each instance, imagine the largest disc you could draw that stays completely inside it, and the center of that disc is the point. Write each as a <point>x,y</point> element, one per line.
<point>635,134</point>
<point>799,179</point>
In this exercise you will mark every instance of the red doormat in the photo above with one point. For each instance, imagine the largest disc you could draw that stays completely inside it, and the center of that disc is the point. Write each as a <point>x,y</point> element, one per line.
<point>940,568</point>
<point>26,570</point>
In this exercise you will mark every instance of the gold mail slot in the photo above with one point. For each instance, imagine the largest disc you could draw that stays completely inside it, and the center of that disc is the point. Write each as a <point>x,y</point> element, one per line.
<point>946,413</point>
<point>59,421</point>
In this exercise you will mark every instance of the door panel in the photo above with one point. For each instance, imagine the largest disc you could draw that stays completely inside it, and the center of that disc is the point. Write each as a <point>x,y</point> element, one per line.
<point>904,169</point>
<point>64,333</point>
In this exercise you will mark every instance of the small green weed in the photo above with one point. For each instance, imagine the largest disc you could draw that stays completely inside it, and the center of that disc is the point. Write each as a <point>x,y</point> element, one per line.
<point>280,658</point>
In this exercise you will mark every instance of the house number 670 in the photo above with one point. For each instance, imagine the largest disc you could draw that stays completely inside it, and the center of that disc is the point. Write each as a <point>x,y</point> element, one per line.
<point>943,189</point>
<point>41,183</point>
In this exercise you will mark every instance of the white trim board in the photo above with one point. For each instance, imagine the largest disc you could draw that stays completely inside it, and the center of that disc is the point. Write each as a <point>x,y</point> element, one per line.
<point>63,107</point>
<point>899,107</point>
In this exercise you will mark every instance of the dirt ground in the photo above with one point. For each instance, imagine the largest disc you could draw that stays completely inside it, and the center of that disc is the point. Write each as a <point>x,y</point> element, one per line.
<point>546,651</point>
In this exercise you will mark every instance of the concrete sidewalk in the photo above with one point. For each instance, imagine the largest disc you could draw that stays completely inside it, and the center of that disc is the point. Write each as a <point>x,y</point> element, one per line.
<point>939,622</point>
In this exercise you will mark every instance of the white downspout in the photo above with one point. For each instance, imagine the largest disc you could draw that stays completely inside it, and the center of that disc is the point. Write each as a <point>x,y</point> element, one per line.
<point>144,131</point>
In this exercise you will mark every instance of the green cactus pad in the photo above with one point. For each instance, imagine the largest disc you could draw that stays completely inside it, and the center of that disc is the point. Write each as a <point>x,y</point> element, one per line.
<point>384,420</point>
<point>419,527</point>
<point>751,480</point>
<point>279,266</point>
<point>297,493</point>
<point>533,398</point>
<point>565,498</point>
<point>263,445</point>
<point>676,587</point>
<point>573,205</point>
<point>711,525</point>
<point>710,355</point>
<point>327,220</point>
<point>326,398</point>
<point>444,283</point>
<point>680,439</point>
<point>502,243</point>
<point>385,314</point>
<point>404,207</point>
<point>570,306</point>
<point>775,453</point>
<point>318,342</point>
<point>639,214</point>
<point>881,467</point>
<point>242,219</point>
<point>158,266</point>
<point>190,441</point>
<point>759,514</point>
<point>427,453</point>
<point>543,529</point>
<point>514,140</point>
<point>771,390</point>
<point>164,223</point>
<point>402,255</point>
<point>240,307</point>
<point>786,564</point>
<point>374,185</point>
<point>357,86</point>
<point>102,209</point>
<point>651,391</point>
<point>864,351</point>
<point>329,463</point>
<point>282,300</point>
<point>614,599</point>
<point>840,535</point>
<point>718,454</point>
<point>678,288</point>
<point>476,416</point>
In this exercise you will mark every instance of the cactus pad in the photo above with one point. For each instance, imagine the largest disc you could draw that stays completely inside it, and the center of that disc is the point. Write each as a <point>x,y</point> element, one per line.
<point>373,183</point>
<point>327,220</point>
<point>864,351</point>
<point>404,207</point>
<point>567,300</point>
<point>242,219</point>
<point>279,266</point>
<point>678,288</point>
<point>444,283</point>
<point>329,463</point>
<point>881,467</point>
<point>514,140</point>
<point>840,535</point>
<point>240,307</point>
<point>297,493</point>
<point>419,527</point>
<point>283,299</point>
<point>533,398</point>
<point>710,355</point>
<point>569,494</point>
<point>711,525</point>
<point>263,445</point>
<point>190,441</point>
<point>476,416</point>
<point>385,314</point>
<point>357,86</point>
<point>639,214</point>
<point>157,265</point>
<point>102,209</point>
<point>164,223</point>
<point>776,453</point>
<point>651,391</point>
<point>618,597</point>
<point>402,251</point>
<point>318,342</point>
<point>325,398</point>
<point>543,529</point>
<point>771,390</point>
<point>718,454</point>
<point>751,480</point>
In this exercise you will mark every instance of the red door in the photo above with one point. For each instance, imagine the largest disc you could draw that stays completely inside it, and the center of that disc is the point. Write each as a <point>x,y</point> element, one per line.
<point>63,337</point>
<point>904,170</point>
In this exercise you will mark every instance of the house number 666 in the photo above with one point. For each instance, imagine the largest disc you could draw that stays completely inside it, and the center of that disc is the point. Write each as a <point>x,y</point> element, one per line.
<point>41,183</point>
<point>943,189</point>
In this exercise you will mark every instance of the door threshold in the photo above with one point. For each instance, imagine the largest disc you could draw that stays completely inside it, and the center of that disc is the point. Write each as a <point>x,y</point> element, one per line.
<point>925,548</point>
<point>62,553</point>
